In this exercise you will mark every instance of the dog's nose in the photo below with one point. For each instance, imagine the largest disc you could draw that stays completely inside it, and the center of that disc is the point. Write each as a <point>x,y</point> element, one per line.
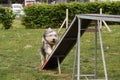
<point>53,39</point>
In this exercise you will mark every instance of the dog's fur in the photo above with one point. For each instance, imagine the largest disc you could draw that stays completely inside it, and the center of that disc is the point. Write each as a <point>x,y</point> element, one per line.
<point>49,40</point>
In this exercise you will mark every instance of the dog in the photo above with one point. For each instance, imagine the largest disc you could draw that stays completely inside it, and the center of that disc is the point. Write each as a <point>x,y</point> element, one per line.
<point>49,40</point>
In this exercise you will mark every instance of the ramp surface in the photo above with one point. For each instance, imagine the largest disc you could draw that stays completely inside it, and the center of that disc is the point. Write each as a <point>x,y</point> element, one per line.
<point>64,46</point>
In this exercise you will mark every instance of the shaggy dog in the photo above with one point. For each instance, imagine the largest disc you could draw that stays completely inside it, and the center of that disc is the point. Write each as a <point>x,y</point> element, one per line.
<point>49,40</point>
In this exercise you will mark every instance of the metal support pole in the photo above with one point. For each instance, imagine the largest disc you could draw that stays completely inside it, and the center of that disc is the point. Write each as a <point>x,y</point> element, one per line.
<point>95,69</point>
<point>78,49</point>
<point>59,69</point>
<point>102,51</point>
<point>75,62</point>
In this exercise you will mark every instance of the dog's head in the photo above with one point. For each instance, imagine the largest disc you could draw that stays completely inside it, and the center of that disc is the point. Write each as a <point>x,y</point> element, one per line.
<point>50,36</point>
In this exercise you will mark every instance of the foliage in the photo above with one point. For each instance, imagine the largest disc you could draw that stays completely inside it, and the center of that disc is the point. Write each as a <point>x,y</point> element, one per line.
<point>6,17</point>
<point>52,15</point>
<point>46,16</point>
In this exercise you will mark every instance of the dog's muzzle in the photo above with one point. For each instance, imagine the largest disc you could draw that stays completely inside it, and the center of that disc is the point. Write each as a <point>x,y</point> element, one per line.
<point>54,41</point>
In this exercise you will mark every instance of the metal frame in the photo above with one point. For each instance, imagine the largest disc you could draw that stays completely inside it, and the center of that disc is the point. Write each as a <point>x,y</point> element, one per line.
<point>72,36</point>
<point>77,56</point>
<point>97,28</point>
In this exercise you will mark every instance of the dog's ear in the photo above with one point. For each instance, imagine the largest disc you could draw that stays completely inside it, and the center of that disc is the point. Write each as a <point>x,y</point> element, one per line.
<point>48,29</point>
<point>43,39</point>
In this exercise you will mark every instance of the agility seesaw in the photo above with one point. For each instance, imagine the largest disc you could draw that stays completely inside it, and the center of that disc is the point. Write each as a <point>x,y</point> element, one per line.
<point>72,36</point>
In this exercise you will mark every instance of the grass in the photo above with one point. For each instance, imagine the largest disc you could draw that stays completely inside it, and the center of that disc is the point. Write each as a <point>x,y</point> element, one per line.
<point>20,59</point>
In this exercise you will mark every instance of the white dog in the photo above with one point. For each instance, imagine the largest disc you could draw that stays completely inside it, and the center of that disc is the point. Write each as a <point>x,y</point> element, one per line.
<point>49,40</point>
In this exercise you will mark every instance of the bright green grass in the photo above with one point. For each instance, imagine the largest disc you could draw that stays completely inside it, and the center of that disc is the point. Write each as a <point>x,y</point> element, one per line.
<point>20,59</point>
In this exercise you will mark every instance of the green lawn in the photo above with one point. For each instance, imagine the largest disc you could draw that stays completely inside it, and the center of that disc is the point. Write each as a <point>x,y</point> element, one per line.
<point>20,59</point>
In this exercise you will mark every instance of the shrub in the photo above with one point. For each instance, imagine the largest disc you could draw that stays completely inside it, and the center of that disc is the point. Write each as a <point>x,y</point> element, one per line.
<point>6,17</point>
<point>42,16</point>
<point>52,15</point>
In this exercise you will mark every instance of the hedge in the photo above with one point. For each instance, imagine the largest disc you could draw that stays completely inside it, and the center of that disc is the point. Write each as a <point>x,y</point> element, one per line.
<point>6,17</point>
<point>52,15</point>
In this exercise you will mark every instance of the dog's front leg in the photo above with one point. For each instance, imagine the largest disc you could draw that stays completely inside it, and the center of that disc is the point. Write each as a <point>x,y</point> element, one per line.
<point>48,51</point>
<point>42,58</point>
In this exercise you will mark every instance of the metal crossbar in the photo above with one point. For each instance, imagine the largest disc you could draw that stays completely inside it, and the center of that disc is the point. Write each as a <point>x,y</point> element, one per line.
<point>111,18</point>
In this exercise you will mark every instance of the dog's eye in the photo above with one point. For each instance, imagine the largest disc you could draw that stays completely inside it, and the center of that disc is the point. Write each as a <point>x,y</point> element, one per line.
<point>50,35</point>
<point>55,35</point>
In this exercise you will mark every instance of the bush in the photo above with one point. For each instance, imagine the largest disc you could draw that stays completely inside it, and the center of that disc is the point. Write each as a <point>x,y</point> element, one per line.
<point>6,17</point>
<point>42,16</point>
<point>52,15</point>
